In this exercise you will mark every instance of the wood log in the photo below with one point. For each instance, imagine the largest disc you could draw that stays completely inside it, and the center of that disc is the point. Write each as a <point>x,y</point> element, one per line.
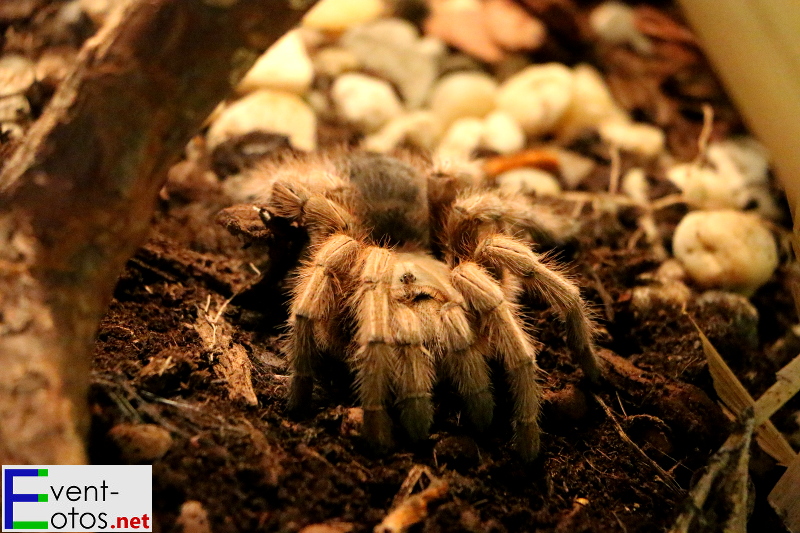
<point>77,196</point>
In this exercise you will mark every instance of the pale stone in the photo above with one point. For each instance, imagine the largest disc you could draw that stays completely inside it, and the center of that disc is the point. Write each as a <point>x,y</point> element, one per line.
<point>537,97</point>
<point>270,111</point>
<point>574,167</point>
<point>747,154</point>
<point>417,128</point>
<point>17,74</point>
<point>462,138</point>
<point>14,109</point>
<point>615,23</point>
<point>193,518</point>
<point>338,15</point>
<point>366,102</point>
<point>528,181</point>
<point>639,138</point>
<point>502,133</point>
<point>726,249</point>
<point>463,94</point>
<point>334,61</point>
<point>393,49</point>
<point>709,188</point>
<point>591,104</point>
<point>285,66</point>
<point>634,184</point>
<point>140,443</point>
<point>734,176</point>
<point>646,299</point>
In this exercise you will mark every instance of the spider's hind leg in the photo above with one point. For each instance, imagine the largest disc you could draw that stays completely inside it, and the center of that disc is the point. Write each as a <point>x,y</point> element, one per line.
<point>502,251</point>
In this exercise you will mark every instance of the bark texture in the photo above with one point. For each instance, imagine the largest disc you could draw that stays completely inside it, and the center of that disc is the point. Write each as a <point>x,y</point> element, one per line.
<point>77,196</point>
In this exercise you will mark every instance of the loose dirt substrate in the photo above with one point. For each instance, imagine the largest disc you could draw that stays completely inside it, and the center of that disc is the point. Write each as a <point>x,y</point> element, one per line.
<point>255,468</point>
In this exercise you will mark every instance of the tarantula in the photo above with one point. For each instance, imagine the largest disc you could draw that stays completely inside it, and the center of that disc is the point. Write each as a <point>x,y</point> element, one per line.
<point>408,278</point>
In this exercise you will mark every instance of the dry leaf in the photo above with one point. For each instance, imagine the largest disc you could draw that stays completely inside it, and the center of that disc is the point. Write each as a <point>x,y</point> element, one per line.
<point>737,399</point>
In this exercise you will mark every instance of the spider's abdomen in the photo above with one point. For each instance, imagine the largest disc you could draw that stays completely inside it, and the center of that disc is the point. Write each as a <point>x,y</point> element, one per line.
<point>393,199</point>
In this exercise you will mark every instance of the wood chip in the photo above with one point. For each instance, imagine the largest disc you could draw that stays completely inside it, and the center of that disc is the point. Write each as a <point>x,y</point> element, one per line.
<point>787,385</point>
<point>541,159</point>
<point>230,359</point>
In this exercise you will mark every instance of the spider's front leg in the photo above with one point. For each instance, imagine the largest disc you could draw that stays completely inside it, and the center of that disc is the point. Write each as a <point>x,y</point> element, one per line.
<point>313,304</point>
<point>391,352</point>
<point>506,253</point>
<point>506,335</point>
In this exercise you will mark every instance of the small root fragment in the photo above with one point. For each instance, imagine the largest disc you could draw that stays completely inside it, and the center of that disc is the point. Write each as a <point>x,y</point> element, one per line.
<point>665,476</point>
<point>407,509</point>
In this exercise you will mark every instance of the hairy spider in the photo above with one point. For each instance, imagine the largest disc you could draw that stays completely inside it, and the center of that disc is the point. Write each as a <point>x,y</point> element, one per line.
<point>408,276</point>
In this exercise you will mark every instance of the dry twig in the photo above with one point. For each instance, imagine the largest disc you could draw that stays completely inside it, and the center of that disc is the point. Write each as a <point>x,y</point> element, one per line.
<point>666,477</point>
<point>412,509</point>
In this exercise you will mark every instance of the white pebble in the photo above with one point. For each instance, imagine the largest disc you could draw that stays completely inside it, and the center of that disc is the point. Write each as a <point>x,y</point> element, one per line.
<point>574,167</point>
<point>537,96</point>
<point>17,74</point>
<point>634,184</point>
<point>338,15</point>
<point>641,139</point>
<point>461,139</point>
<point>709,188</point>
<point>615,23</point>
<point>528,181</point>
<point>271,111</point>
<point>591,104</point>
<point>417,128</point>
<point>364,101</point>
<point>463,94</point>
<point>502,133</point>
<point>726,249</point>
<point>334,61</point>
<point>285,66</point>
<point>14,109</point>
<point>393,49</point>
<point>746,154</point>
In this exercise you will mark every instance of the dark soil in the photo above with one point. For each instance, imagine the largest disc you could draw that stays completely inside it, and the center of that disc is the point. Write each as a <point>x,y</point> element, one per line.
<point>256,468</point>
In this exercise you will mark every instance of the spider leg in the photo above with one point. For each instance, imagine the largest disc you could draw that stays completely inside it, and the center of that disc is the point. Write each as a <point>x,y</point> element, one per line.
<point>320,215</point>
<point>313,303</point>
<point>466,365</point>
<point>507,336</point>
<point>504,252</point>
<point>414,373</point>
<point>375,359</point>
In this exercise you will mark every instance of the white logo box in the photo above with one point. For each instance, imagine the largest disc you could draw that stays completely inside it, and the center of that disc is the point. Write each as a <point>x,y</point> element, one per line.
<point>77,498</point>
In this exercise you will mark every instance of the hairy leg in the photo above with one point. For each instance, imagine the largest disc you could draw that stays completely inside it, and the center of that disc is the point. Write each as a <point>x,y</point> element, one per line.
<point>507,336</point>
<point>313,303</point>
<point>414,374</point>
<point>466,365</point>
<point>504,252</point>
<point>376,357</point>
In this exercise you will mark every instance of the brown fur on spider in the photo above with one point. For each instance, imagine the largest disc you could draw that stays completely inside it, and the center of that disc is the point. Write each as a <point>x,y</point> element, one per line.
<point>410,276</point>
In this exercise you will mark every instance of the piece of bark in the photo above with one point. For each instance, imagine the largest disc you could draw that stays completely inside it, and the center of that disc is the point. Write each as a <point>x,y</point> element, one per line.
<point>77,195</point>
<point>230,359</point>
